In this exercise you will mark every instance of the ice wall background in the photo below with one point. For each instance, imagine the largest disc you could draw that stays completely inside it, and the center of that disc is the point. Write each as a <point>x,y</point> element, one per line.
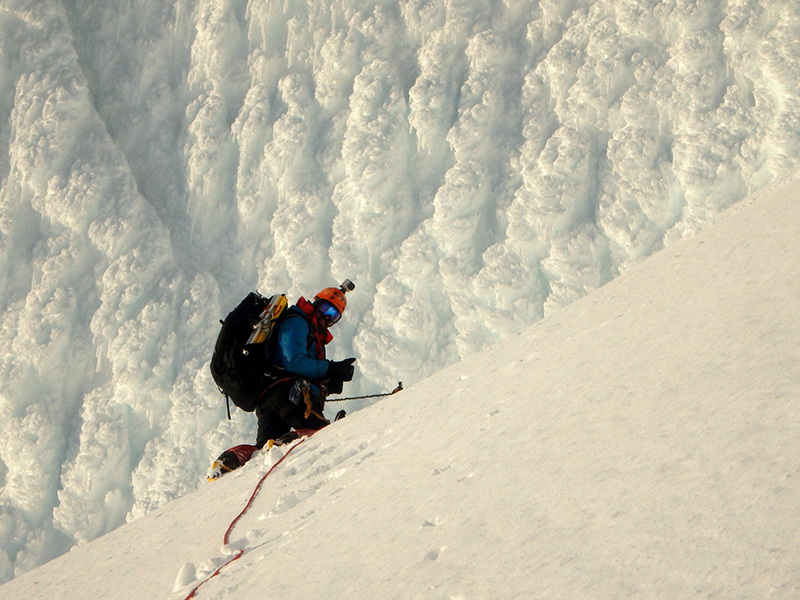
<point>472,166</point>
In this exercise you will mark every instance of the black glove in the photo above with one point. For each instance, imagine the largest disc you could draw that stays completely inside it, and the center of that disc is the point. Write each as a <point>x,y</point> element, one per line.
<point>341,371</point>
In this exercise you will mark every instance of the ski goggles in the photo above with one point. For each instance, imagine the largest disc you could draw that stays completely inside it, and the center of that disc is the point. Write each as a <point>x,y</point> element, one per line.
<point>328,311</point>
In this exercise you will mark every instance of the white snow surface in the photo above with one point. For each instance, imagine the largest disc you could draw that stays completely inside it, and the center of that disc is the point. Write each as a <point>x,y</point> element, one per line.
<point>641,443</point>
<point>472,166</point>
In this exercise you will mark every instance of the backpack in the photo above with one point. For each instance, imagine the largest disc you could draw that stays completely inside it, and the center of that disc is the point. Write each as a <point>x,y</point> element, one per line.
<point>240,365</point>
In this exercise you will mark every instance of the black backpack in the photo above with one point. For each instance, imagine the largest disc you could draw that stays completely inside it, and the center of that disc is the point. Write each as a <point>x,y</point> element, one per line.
<point>242,370</point>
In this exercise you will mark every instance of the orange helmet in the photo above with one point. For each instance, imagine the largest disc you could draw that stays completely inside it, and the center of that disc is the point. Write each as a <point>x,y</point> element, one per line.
<point>335,296</point>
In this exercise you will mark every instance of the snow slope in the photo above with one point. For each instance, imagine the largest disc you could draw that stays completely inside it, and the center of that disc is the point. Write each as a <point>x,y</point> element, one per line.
<point>641,442</point>
<point>472,166</point>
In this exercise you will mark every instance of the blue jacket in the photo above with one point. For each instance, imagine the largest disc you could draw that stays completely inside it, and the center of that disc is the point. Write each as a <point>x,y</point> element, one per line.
<point>295,349</point>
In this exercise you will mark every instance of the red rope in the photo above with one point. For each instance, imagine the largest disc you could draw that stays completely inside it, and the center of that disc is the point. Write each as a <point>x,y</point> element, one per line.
<point>306,433</point>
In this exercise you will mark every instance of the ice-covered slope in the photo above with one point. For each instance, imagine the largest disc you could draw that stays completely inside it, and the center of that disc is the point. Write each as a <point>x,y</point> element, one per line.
<point>471,165</point>
<point>642,442</point>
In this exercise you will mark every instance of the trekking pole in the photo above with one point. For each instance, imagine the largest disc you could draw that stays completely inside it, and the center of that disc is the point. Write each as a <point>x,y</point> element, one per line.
<point>394,391</point>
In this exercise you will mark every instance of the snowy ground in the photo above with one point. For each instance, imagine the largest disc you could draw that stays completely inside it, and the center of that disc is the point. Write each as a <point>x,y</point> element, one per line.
<point>640,443</point>
<point>473,166</point>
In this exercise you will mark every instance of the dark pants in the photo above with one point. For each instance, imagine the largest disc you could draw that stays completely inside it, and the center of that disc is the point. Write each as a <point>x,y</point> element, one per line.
<point>278,415</point>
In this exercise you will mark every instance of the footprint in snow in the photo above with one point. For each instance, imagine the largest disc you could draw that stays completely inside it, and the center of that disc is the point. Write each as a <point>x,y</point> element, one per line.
<point>434,554</point>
